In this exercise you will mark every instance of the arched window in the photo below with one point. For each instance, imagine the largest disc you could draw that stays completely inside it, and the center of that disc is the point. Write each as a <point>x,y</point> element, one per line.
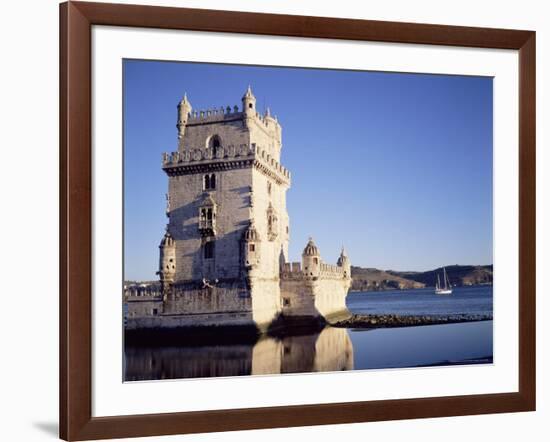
<point>206,183</point>
<point>212,181</point>
<point>214,141</point>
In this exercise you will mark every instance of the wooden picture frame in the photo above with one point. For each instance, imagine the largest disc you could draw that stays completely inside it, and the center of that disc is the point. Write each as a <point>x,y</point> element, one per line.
<point>76,421</point>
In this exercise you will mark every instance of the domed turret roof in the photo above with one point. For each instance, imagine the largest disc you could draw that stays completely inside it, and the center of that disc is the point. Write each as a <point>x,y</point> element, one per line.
<point>251,234</point>
<point>311,249</point>
<point>343,258</point>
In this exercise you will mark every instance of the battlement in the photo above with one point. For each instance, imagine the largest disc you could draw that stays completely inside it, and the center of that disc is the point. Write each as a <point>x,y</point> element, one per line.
<point>214,115</point>
<point>292,267</point>
<point>329,270</point>
<point>220,155</point>
<point>228,113</point>
<point>267,120</point>
<point>293,270</point>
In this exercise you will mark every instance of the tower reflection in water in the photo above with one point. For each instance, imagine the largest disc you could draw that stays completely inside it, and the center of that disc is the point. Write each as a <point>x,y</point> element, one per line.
<point>328,350</point>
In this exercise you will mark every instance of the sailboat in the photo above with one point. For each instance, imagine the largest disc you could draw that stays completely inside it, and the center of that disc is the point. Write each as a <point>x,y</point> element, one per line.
<point>446,289</point>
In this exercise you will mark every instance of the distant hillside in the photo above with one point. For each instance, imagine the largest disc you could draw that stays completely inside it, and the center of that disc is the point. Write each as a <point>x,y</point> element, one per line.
<point>459,275</point>
<point>365,279</point>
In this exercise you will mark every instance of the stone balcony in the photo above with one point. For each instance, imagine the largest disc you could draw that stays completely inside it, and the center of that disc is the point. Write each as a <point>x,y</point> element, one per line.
<point>207,227</point>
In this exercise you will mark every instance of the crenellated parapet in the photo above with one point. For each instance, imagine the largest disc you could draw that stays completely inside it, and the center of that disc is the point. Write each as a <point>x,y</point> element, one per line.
<point>193,160</point>
<point>226,114</point>
<point>293,271</point>
<point>330,271</point>
<point>214,115</point>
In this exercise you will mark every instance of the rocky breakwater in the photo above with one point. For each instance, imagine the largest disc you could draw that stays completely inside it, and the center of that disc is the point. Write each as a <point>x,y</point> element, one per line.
<point>382,321</point>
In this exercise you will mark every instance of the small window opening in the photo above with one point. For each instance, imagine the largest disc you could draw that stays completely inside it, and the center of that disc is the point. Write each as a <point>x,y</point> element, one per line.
<point>209,182</point>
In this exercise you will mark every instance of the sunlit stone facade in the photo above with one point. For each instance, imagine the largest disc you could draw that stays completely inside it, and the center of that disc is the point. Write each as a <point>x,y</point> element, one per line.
<point>224,256</point>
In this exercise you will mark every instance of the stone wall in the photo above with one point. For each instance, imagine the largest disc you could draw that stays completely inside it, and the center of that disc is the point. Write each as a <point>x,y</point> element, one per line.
<point>143,307</point>
<point>212,319</point>
<point>266,193</point>
<point>232,198</point>
<point>318,297</point>
<point>223,297</point>
<point>266,301</point>
<point>330,298</point>
<point>229,132</point>
<point>297,298</point>
<point>266,132</point>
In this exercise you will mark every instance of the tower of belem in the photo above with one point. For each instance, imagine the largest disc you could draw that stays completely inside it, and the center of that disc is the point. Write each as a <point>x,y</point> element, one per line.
<point>224,256</point>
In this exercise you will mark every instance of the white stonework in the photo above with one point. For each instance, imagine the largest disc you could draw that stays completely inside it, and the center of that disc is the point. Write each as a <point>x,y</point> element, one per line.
<point>223,259</point>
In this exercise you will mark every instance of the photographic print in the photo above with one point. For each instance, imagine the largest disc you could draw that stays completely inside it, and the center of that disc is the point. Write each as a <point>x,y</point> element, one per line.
<point>297,220</point>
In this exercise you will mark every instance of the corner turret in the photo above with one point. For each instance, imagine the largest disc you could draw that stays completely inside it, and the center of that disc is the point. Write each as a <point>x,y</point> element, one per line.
<point>311,259</point>
<point>251,247</point>
<point>184,109</point>
<point>345,263</point>
<point>167,262</point>
<point>249,103</point>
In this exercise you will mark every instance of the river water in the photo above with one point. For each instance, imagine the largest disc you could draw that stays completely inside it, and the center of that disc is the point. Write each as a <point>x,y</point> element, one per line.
<point>336,349</point>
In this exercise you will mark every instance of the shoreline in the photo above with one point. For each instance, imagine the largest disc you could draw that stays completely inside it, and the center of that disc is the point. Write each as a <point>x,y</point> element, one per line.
<point>394,321</point>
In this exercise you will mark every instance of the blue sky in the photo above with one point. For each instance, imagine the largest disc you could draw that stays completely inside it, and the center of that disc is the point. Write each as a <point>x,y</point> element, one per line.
<point>396,167</point>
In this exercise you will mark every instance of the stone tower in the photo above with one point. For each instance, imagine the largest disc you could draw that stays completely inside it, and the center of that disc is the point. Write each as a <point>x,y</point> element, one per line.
<point>227,217</point>
<point>224,257</point>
